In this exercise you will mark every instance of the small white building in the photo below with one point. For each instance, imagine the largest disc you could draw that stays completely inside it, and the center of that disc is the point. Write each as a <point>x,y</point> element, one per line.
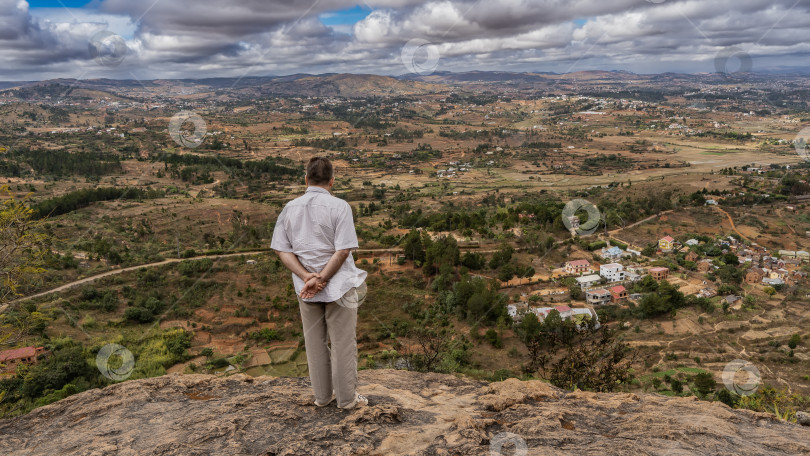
<point>612,272</point>
<point>588,281</point>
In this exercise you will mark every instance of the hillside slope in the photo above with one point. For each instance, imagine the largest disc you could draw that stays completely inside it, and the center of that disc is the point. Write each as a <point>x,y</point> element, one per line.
<point>410,413</point>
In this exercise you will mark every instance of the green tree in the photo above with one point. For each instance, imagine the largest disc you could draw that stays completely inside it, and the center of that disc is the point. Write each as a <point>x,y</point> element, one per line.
<point>65,365</point>
<point>477,299</point>
<point>704,383</point>
<point>502,256</point>
<point>506,272</point>
<point>473,261</point>
<point>676,385</point>
<point>597,361</point>
<point>727,397</point>
<point>441,252</point>
<point>413,248</point>
<point>666,299</point>
<point>23,245</point>
<point>794,341</point>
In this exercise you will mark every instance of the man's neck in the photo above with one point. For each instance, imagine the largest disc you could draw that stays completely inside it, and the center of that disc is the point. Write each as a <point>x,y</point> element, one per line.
<point>328,189</point>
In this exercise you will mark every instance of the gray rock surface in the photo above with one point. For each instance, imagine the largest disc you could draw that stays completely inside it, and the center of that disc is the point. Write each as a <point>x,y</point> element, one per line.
<point>409,413</point>
<point>803,418</point>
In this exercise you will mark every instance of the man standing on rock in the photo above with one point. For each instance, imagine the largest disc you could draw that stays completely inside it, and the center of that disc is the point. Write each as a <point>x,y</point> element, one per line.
<point>314,237</point>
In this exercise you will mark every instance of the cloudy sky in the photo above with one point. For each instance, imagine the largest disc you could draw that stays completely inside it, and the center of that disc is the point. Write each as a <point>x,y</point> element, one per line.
<point>147,39</point>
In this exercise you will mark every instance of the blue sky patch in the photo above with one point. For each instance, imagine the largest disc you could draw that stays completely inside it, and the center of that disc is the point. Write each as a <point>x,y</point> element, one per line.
<point>57,3</point>
<point>348,16</point>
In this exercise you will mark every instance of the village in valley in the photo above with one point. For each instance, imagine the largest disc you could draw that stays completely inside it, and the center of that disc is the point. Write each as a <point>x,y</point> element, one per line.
<point>608,283</point>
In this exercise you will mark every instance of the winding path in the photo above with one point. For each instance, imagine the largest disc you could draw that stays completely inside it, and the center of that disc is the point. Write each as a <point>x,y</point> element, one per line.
<point>644,220</point>
<point>122,270</point>
<point>731,221</point>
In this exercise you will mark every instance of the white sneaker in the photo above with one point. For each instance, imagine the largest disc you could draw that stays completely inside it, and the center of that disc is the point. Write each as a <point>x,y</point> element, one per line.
<point>329,402</point>
<point>358,401</point>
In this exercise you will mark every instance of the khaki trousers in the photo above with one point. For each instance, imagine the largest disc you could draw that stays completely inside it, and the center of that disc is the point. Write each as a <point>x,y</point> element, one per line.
<point>332,368</point>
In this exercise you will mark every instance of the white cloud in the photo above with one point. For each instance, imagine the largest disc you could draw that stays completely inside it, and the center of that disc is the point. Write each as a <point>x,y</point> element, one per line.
<point>181,38</point>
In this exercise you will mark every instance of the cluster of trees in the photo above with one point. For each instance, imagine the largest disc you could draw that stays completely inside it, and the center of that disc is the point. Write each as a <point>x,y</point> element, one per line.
<point>610,161</point>
<point>288,130</point>
<point>470,134</point>
<point>435,257</point>
<point>458,220</point>
<point>338,143</point>
<point>476,300</point>
<point>474,99</point>
<point>661,298</point>
<point>271,167</point>
<point>542,145</point>
<point>82,198</point>
<point>733,135</point>
<point>401,133</point>
<point>361,114</point>
<point>442,255</point>
<point>61,163</point>
<point>543,213</point>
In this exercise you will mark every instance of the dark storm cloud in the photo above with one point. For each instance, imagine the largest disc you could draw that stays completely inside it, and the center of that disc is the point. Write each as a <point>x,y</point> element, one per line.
<point>182,38</point>
<point>27,44</point>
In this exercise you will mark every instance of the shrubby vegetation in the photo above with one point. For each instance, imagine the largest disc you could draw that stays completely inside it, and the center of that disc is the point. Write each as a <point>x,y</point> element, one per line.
<point>572,356</point>
<point>71,368</point>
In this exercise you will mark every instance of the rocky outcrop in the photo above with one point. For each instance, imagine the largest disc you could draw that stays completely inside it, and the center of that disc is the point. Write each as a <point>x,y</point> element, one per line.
<point>409,413</point>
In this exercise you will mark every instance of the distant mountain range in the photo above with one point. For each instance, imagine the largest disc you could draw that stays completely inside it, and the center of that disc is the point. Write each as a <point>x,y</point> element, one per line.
<point>358,85</point>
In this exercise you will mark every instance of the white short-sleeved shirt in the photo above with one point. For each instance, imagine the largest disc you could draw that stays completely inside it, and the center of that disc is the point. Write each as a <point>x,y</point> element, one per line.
<point>313,227</point>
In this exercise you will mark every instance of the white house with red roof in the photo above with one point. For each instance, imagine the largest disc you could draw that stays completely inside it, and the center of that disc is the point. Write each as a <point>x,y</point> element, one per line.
<point>578,267</point>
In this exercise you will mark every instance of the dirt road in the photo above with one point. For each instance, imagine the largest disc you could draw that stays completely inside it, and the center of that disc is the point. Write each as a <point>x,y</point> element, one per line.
<point>731,221</point>
<point>122,270</point>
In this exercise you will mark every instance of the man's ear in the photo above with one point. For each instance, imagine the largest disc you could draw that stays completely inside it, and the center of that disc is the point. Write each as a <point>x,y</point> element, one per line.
<point>332,182</point>
<point>306,180</point>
